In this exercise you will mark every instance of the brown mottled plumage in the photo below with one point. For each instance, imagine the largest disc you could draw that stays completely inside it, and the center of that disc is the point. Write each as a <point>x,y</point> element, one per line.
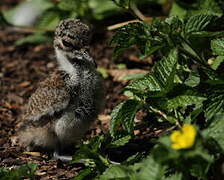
<point>62,108</point>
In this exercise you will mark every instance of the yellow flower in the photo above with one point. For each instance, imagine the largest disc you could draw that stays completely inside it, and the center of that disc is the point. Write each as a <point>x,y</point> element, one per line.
<point>183,138</point>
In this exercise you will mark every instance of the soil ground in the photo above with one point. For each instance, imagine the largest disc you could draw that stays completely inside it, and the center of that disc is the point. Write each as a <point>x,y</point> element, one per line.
<point>23,67</point>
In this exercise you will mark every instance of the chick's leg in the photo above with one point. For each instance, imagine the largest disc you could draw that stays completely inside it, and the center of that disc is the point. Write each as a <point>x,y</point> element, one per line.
<point>58,156</point>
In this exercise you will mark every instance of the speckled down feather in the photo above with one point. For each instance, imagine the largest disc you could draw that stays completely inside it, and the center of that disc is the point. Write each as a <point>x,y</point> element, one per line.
<point>70,99</point>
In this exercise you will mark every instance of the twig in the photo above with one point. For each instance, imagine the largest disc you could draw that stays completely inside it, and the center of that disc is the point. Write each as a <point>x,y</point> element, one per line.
<point>136,11</point>
<point>147,20</point>
<point>115,26</point>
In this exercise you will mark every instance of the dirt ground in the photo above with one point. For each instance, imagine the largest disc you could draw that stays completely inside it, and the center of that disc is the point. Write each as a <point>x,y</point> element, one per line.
<point>22,67</point>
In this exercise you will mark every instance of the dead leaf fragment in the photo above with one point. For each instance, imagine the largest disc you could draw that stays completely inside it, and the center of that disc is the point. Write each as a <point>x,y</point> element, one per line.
<point>37,154</point>
<point>24,84</point>
<point>104,118</point>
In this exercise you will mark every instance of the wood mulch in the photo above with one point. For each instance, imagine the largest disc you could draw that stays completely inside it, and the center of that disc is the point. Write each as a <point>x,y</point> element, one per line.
<point>22,67</point>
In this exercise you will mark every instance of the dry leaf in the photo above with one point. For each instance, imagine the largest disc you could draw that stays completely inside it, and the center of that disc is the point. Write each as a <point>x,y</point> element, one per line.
<point>37,154</point>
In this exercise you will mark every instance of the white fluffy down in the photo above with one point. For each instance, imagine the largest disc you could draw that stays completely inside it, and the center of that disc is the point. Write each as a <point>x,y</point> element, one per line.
<point>64,63</point>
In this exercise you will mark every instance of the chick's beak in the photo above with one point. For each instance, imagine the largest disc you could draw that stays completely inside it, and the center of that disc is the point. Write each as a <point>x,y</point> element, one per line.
<point>58,43</point>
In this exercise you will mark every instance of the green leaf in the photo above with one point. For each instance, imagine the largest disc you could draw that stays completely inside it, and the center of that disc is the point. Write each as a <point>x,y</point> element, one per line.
<point>90,158</point>
<point>199,162</point>
<point>193,116</point>
<point>146,169</point>
<point>3,21</point>
<point>90,154</point>
<point>103,72</point>
<point>197,23</point>
<point>49,19</point>
<point>120,142</point>
<point>215,104</point>
<point>103,9</point>
<point>26,170</point>
<point>160,81</point>
<point>121,66</point>
<point>188,98</point>
<point>117,172</point>
<point>210,7</point>
<point>218,60</point>
<point>217,46</point>
<point>37,38</point>
<point>150,169</point>
<point>193,79</point>
<point>68,5</point>
<point>83,174</point>
<point>123,3</point>
<point>134,76</point>
<point>202,34</point>
<point>128,35</point>
<point>124,114</point>
<point>216,130</point>
<point>177,10</point>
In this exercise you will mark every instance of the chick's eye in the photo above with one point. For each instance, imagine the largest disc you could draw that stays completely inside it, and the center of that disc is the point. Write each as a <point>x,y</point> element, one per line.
<point>76,48</point>
<point>66,43</point>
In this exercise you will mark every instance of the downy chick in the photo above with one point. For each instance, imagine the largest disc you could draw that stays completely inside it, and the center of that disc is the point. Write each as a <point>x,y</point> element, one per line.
<point>63,107</point>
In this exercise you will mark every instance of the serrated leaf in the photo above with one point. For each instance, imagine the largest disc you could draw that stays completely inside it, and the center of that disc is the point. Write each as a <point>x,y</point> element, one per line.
<point>83,174</point>
<point>215,130</point>
<point>160,81</point>
<point>210,7</point>
<point>197,23</point>
<point>117,172</point>
<point>202,34</point>
<point>124,114</point>
<point>150,169</point>
<point>215,104</point>
<point>201,161</point>
<point>145,170</point>
<point>120,142</point>
<point>217,46</point>
<point>186,99</point>
<point>129,35</point>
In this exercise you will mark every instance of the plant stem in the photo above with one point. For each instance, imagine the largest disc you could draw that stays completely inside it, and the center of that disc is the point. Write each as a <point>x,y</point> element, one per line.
<point>184,51</point>
<point>116,26</point>
<point>195,58</point>
<point>159,112</point>
<point>136,11</point>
